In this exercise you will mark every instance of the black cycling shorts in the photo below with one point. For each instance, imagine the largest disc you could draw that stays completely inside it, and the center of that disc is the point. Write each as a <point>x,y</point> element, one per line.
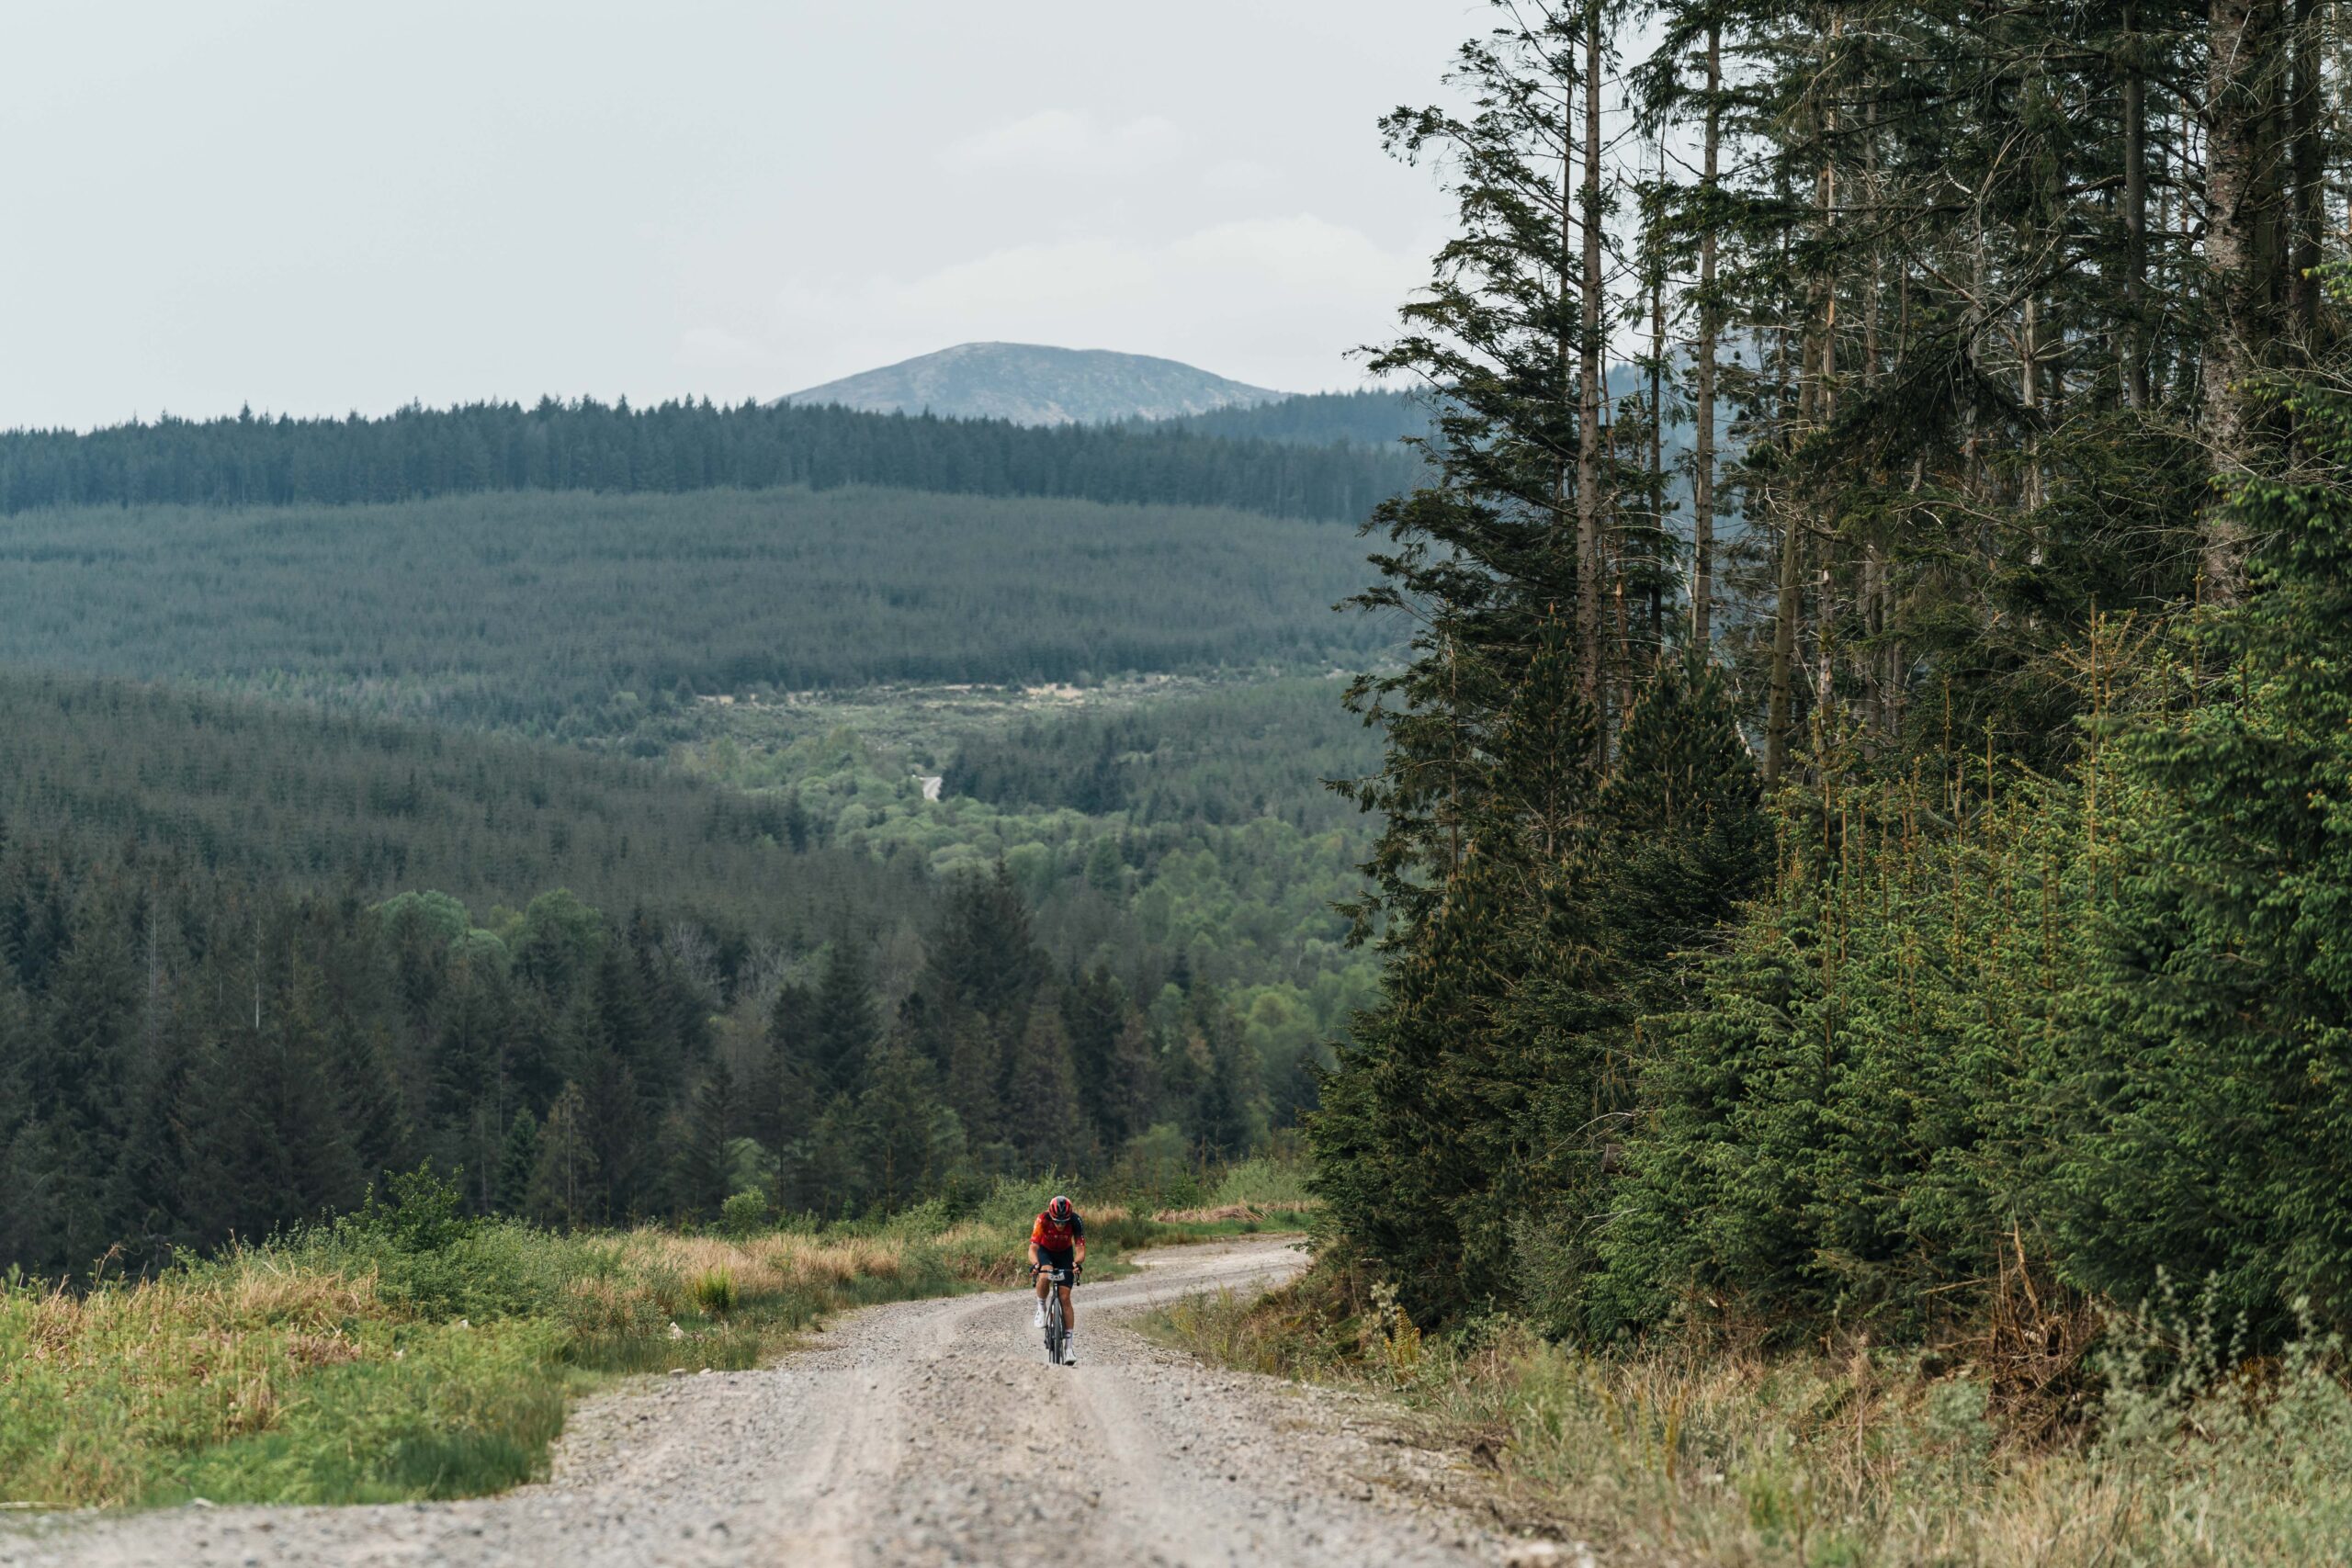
<point>1062,1258</point>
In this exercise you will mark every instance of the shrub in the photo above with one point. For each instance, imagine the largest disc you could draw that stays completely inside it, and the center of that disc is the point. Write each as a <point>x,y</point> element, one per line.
<point>746,1214</point>
<point>714,1291</point>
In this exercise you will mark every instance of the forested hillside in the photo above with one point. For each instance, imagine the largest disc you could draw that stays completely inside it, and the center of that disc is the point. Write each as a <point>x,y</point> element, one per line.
<point>1373,417</point>
<point>567,613</point>
<point>1943,942</point>
<point>251,961</point>
<point>341,804</point>
<point>674,449</point>
<point>1264,750</point>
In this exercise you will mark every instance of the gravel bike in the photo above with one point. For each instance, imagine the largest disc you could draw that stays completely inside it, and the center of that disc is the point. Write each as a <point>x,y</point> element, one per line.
<point>1056,1336</point>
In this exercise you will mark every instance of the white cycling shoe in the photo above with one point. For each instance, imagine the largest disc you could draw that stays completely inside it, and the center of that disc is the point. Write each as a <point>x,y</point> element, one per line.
<point>1070,1350</point>
<point>1039,1321</point>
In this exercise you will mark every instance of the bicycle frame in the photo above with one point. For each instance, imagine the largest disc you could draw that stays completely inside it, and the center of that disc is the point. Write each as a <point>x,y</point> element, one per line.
<point>1058,1279</point>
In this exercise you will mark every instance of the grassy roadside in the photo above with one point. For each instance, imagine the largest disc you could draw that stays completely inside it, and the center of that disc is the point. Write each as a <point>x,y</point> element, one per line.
<point>1864,1458</point>
<point>405,1353</point>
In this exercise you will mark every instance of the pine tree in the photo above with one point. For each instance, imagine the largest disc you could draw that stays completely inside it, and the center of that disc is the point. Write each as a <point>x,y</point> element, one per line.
<point>1050,1130</point>
<point>1126,1099</point>
<point>842,1028</point>
<point>2214,1025</point>
<point>1228,1114</point>
<point>518,1161</point>
<point>564,1191</point>
<point>703,1170</point>
<point>982,957</point>
<point>909,1142</point>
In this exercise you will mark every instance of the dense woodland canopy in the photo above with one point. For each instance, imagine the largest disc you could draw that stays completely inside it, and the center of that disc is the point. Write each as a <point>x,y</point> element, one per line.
<point>236,987</point>
<point>1918,909</point>
<point>1372,417</point>
<point>1232,757</point>
<point>338,804</point>
<point>676,448</point>
<point>186,1057</point>
<point>1875,868</point>
<point>539,611</point>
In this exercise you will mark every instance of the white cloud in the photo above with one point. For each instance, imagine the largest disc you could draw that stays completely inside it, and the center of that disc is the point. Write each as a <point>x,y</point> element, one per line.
<point>1277,301</point>
<point>1059,140</point>
<point>1241,174</point>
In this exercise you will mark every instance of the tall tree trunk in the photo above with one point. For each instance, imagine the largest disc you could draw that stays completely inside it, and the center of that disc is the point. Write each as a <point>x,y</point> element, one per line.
<point>1816,367</point>
<point>2310,173</point>
<point>1658,552</point>
<point>2240,243</point>
<point>1703,459</point>
<point>1788,589</point>
<point>2135,212</point>
<point>1589,565</point>
<point>1568,488</point>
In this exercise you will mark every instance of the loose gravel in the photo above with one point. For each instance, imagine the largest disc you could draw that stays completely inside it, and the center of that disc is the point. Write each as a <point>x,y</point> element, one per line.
<point>924,1432</point>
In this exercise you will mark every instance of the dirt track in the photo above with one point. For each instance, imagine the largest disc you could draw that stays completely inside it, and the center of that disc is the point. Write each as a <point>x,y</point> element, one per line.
<point>927,1432</point>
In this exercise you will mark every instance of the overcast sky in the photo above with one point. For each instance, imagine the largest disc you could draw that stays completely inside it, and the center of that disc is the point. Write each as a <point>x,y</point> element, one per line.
<point>312,208</point>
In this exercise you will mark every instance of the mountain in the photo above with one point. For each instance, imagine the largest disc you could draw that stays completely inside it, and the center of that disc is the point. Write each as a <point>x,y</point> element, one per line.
<point>1032,384</point>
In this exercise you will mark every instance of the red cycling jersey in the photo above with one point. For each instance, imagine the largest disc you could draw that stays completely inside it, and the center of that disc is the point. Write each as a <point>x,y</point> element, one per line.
<point>1057,1235</point>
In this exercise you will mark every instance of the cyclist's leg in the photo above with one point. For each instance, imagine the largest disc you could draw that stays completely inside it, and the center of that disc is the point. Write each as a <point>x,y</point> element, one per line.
<point>1069,1312</point>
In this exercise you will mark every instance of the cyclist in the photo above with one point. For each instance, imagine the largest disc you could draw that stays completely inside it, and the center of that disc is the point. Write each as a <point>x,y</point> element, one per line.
<point>1057,1241</point>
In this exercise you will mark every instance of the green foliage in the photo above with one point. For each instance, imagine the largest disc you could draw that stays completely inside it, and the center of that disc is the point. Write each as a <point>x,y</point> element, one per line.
<point>2208,1042</point>
<point>714,1293</point>
<point>1266,1183</point>
<point>417,1211</point>
<point>1463,1139</point>
<point>1370,417</point>
<point>745,1213</point>
<point>676,448</point>
<point>1222,759</point>
<point>1988,1028</point>
<point>2028,982</point>
<point>576,615</point>
<point>1843,1119</point>
<point>1874,1458</point>
<point>402,1354</point>
<point>432,821</point>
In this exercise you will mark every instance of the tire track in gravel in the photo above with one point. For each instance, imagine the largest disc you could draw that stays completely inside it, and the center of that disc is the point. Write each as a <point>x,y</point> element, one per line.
<point>923,1432</point>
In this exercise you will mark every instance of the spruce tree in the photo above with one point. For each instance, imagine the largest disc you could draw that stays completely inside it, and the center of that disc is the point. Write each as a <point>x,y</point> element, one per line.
<point>563,1190</point>
<point>1049,1131</point>
<point>703,1167</point>
<point>2213,1027</point>
<point>909,1142</point>
<point>842,1028</point>
<point>518,1160</point>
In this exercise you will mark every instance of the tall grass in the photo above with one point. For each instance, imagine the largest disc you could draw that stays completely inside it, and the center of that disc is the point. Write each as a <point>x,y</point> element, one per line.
<point>1864,1458</point>
<point>1267,1185</point>
<point>406,1352</point>
<point>350,1364</point>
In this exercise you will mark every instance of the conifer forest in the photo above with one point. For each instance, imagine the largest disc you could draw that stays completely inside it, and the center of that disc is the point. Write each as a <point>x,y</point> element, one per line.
<point>1884,873</point>
<point>1821,809</point>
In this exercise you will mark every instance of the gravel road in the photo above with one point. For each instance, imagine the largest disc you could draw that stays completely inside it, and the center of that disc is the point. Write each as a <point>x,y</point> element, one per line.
<point>925,1432</point>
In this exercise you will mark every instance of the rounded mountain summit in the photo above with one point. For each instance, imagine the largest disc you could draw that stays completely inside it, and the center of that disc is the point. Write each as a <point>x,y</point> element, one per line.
<point>1032,384</point>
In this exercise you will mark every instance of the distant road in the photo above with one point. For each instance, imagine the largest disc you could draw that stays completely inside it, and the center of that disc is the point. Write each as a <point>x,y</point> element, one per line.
<point>924,1432</point>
